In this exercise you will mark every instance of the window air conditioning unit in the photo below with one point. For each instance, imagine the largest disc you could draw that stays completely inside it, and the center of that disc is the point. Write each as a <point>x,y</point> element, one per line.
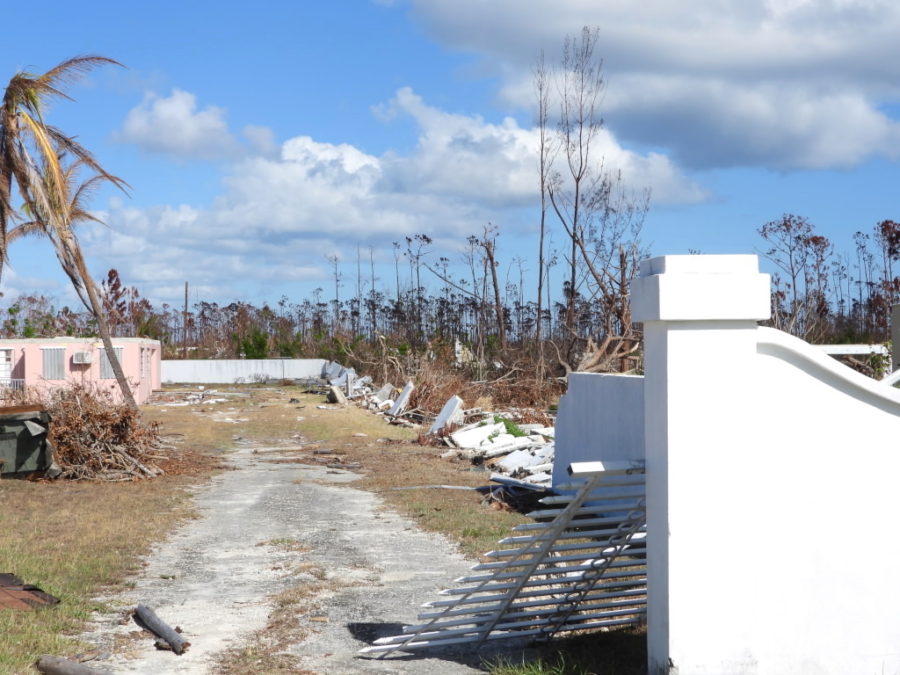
<point>81,357</point>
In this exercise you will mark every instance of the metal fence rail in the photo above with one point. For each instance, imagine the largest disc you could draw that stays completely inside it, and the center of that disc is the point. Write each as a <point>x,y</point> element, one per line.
<point>582,565</point>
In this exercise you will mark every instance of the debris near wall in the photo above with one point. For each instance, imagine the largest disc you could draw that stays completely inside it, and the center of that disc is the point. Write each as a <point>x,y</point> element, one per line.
<point>96,439</point>
<point>523,452</point>
<point>199,396</point>
<point>519,455</point>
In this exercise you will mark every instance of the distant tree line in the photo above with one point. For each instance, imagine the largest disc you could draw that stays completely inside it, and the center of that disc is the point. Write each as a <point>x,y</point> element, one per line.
<point>818,294</point>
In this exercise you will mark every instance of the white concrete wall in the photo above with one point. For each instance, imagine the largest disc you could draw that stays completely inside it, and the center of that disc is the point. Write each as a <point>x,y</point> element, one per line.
<point>228,371</point>
<point>772,477</point>
<point>600,417</point>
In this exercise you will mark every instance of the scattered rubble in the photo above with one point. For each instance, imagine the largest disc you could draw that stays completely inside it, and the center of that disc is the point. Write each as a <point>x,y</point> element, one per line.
<point>521,456</point>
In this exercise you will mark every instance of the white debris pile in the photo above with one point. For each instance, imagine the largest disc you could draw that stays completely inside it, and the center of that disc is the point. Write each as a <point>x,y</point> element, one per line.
<point>346,379</point>
<point>523,452</point>
<point>185,398</point>
<point>519,455</point>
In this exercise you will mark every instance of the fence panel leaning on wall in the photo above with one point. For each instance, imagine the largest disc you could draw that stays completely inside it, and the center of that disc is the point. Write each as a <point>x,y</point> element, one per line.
<point>771,486</point>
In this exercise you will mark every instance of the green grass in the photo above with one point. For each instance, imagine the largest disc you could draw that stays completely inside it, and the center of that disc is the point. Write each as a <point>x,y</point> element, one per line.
<point>616,652</point>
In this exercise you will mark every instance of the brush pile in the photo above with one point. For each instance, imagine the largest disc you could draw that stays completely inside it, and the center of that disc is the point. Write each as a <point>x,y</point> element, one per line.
<point>95,438</point>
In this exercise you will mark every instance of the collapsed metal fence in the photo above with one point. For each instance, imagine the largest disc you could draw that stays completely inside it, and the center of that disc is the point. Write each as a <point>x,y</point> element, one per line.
<point>580,566</point>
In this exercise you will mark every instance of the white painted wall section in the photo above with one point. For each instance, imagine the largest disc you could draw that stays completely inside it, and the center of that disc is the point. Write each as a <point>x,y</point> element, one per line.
<point>771,486</point>
<point>229,371</point>
<point>600,417</point>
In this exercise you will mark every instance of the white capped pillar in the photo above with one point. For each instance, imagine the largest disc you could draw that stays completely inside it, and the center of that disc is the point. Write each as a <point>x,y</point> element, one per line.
<point>699,314</point>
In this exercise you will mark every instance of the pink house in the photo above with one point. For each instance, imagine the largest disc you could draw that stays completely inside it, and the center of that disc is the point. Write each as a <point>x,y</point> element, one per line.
<point>47,363</point>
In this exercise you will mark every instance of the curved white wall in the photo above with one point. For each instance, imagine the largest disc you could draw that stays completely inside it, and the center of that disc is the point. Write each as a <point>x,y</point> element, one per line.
<point>773,487</point>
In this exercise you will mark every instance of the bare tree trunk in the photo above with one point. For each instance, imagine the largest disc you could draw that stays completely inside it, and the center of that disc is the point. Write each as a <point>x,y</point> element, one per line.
<point>103,328</point>
<point>543,96</point>
<point>488,244</point>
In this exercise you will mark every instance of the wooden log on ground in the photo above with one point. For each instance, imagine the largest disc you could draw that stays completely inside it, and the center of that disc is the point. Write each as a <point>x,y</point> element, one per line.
<point>146,618</point>
<point>56,665</point>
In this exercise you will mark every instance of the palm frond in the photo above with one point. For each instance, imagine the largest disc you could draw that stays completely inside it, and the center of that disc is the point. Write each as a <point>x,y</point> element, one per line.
<point>71,69</point>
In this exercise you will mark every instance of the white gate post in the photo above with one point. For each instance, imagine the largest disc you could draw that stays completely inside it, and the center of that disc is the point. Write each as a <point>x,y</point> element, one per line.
<point>895,337</point>
<point>699,314</point>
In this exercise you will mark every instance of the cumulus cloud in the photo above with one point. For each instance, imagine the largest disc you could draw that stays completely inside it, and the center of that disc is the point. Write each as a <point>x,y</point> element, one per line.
<point>773,83</point>
<point>175,126</point>
<point>279,215</point>
<point>496,164</point>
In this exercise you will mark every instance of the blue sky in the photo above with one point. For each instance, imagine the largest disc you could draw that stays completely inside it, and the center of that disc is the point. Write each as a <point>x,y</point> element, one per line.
<point>258,139</point>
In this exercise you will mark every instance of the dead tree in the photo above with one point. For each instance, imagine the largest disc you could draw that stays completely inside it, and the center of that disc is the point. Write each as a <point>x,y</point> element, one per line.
<point>601,218</point>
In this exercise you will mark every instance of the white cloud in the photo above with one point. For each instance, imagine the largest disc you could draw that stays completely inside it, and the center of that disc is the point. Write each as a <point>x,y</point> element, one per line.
<point>174,126</point>
<point>278,216</point>
<point>776,83</point>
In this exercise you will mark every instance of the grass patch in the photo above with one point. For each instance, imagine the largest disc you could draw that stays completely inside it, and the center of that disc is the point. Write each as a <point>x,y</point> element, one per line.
<point>512,428</point>
<point>75,540</point>
<point>616,652</point>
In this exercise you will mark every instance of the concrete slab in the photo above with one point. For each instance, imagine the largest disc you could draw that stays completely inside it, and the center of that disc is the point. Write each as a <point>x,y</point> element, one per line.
<point>451,413</point>
<point>402,400</point>
<point>335,395</point>
<point>384,393</point>
<point>474,435</point>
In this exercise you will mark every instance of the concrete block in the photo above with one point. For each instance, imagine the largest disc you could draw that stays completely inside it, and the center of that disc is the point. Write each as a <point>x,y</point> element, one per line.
<point>402,400</point>
<point>335,395</point>
<point>331,370</point>
<point>384,394</point>
<point>451,413</point>
<point>350,376</point>
<point>473,435</point>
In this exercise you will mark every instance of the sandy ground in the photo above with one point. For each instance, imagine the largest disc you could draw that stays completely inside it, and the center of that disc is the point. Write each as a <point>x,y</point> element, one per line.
<point>216,575</point>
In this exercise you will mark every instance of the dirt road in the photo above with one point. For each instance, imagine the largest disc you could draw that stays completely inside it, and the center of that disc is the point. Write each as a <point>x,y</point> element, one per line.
<point>272,535</point>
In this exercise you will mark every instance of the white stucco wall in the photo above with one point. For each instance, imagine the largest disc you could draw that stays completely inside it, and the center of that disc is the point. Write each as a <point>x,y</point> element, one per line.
<point>771,487</point>
<point>226,371</point>
<point>600,417</point>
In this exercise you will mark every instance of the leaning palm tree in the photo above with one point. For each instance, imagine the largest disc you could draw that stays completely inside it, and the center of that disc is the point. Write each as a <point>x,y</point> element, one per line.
<point>31,158</point>
<point>55,209</point>
<point>27,142</point>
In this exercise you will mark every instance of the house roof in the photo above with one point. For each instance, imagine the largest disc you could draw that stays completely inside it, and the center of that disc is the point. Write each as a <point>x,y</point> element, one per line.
<point>65,340</point>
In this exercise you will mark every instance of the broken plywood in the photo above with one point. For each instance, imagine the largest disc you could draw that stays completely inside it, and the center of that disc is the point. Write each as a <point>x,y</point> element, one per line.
<point>15,594</point>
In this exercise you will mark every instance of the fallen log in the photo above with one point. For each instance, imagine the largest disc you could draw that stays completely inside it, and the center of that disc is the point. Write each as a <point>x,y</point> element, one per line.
<point>56,665</point>
<point>146,618</point>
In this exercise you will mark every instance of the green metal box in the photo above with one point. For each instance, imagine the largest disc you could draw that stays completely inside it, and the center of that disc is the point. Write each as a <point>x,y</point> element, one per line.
<point>23,440</point>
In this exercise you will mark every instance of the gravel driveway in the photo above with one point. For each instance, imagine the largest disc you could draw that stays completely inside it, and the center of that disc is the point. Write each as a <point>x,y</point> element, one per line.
<point>216,575</point>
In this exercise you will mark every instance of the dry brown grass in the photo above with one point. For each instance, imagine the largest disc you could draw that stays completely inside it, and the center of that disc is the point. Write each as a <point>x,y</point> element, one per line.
<point>507,387</point>
<point>74,540</point>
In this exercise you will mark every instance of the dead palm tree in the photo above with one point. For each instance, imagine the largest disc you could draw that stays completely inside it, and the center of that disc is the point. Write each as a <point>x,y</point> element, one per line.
<point>55,210</point>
